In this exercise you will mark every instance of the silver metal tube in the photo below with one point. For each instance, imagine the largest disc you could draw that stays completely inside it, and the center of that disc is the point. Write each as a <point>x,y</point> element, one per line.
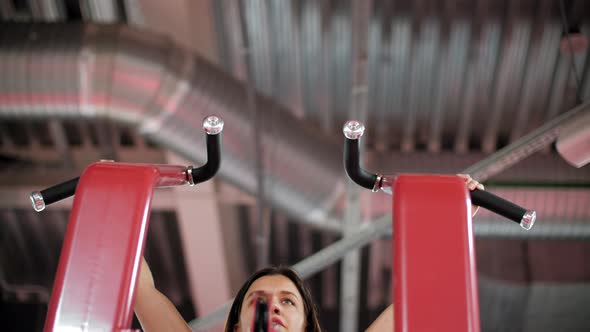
<point>524,147</point>
<point>554,230</point>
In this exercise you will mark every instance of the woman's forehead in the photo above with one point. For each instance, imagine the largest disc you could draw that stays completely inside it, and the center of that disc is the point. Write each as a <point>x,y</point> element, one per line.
<point>274,284</point>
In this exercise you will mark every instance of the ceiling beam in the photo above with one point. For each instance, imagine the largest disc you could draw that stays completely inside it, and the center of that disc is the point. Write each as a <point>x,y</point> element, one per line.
<point>539,67</point>
<point>58,136</point>
<point>509,73</point>
<point>448,73</point>
<point>103,11</point>
<point>48,10</point>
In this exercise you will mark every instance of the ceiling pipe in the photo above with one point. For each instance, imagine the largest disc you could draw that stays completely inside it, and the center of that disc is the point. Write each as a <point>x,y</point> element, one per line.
<point>135,78</point>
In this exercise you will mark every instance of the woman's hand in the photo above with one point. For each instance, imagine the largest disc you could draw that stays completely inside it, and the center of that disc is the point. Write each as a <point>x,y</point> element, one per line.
<point>472,184</point>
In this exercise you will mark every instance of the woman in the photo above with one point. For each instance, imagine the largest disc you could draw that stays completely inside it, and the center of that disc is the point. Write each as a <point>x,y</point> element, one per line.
<point>291,306</point>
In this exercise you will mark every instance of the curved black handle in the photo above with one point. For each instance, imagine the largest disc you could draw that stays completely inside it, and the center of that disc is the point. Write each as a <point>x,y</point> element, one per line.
<point>213,127</point>
<point>353,167</point>
<point>207,171</point>
<point>261,316</point>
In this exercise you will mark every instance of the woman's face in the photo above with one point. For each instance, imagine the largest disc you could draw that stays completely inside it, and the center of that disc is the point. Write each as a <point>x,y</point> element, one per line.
<point>286,307</point>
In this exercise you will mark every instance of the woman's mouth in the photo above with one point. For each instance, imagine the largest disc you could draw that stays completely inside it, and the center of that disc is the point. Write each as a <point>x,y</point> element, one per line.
<point>277,325</point>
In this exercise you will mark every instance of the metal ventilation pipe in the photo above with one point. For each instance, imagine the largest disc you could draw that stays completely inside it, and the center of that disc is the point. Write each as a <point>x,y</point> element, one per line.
<point>135,78</point>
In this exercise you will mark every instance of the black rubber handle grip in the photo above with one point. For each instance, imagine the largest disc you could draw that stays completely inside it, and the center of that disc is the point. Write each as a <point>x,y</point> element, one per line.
<point>505,208</point>
<point>60,191</point>
<point>40,199</point>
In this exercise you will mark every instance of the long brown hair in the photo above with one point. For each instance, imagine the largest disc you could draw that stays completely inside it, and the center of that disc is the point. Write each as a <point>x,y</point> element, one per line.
<point>312,323</point>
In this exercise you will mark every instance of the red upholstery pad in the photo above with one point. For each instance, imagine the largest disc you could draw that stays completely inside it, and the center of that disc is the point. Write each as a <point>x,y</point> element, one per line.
<point>434,256</point>
<point>102,248</point>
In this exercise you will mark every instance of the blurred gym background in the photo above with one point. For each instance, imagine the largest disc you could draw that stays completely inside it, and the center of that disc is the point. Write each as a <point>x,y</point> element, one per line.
<point>440,86</point>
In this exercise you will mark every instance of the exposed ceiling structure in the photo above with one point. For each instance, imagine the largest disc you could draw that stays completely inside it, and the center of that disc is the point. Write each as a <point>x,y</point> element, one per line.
<point>440,86</point>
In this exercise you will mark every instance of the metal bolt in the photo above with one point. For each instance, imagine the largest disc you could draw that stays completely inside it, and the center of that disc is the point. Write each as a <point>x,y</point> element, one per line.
<point>37,201</point>
<point>528,220</point>
<point>213,125</point>
<point>353,129</point>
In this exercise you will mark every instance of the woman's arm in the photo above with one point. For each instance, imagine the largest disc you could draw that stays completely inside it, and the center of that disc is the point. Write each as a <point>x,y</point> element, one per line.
<point>154,310</point>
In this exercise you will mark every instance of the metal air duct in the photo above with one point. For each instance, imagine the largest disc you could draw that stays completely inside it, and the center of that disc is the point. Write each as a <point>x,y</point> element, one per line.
<point>145,81</point>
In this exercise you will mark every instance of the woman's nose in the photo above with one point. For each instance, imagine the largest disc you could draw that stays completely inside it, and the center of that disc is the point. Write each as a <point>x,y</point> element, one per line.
<point>275,307</point>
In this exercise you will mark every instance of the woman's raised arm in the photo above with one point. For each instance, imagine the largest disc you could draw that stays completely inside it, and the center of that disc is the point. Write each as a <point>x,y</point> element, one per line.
<point>153,309</point>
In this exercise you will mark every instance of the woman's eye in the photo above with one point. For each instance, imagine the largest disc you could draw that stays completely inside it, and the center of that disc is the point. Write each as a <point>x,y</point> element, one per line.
<point>289,302</point>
